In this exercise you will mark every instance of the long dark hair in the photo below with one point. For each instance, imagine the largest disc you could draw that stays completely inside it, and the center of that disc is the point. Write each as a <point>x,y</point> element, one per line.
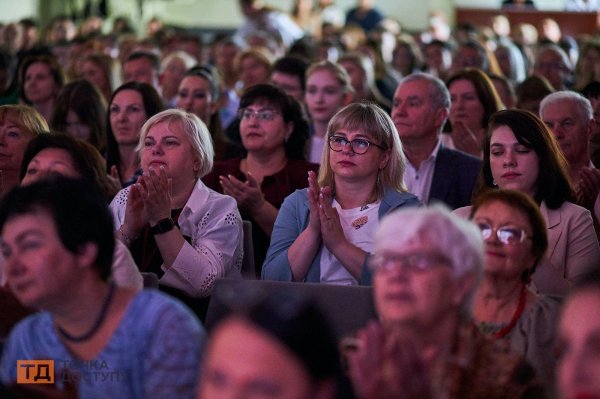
<point>153,104</point>
<point>553,184</point>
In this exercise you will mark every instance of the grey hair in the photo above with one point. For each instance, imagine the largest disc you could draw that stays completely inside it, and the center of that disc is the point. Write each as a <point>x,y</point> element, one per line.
<point>455,237</point>
<point>583,105</point>
<point>438,92</point>
<point>193,128</point>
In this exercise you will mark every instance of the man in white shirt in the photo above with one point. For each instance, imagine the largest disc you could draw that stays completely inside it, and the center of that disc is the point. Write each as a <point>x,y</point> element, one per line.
<point>433,173</point>
<point>570,117</point>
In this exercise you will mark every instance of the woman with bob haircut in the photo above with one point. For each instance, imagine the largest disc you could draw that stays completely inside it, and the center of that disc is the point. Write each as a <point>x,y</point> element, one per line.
<point>174,226</point>
<point>273,133</point>
<point>520,153</point>
<point>473,101</point>
<point>324,233</point>
<point>80,110</point>
<point>504,307</point>
<point>18,125</point>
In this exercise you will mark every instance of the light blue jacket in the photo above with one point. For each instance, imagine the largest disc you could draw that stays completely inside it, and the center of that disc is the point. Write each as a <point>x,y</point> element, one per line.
<point>293,218</point>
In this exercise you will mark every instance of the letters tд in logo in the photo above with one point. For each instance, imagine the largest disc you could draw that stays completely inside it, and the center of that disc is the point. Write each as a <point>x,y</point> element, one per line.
<point>35,371</point>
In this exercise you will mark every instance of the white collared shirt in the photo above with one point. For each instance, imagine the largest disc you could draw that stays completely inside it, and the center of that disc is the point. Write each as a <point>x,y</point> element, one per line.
<point>418,181</point>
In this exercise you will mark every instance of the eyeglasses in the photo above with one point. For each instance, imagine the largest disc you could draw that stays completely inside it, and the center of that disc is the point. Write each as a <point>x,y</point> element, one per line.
<point>418,262</point>
<point>358,146</point>
<point>506,235</point>
<point>261,115</point>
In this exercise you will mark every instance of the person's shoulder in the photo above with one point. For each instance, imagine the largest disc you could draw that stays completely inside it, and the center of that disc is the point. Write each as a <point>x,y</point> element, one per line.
<point>34,330</point>
<point>459,156</point>
<point>567,211</point>
<point>400,198</point>
<point>120,200</point>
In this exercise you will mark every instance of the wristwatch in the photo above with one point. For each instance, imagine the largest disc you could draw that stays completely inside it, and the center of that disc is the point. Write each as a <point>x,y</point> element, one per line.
<point>162,226</point>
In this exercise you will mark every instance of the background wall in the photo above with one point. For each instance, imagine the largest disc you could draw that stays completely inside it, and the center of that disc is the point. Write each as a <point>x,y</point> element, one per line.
<point>412,14</point>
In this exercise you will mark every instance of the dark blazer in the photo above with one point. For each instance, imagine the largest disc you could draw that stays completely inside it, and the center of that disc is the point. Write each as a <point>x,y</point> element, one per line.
<point>454,177</point>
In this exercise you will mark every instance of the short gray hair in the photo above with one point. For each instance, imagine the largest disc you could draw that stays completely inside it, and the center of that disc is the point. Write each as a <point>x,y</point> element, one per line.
<point>582,104</point>
<point>455,237</point>
<point>438,92</point>
<point>195,130</point>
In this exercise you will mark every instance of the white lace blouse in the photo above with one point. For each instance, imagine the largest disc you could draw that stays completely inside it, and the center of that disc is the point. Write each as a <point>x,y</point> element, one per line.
<point>213,222</point>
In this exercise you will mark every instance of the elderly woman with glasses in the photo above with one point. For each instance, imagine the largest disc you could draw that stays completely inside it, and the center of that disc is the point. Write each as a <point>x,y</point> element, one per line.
<point>426,266</point>
<point>324,233</point>
<point>504,308</point>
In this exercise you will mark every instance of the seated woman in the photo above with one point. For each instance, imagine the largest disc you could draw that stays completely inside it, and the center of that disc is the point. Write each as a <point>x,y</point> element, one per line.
<point>362,77</point>
<point>474,99</point>
<point>328,90</point>
<point>426,266</point>
<point>273,133</point>
<point>578,370</point>
<point>97,68</point>
<point>80,110</point>
<point>87,326</point>
<point>504,308</point>
<point>324,233</point>
<point>40,79</point>
<point>51,155</point>
<point>199,94</point>
<point>130,106</point>
<point>18,125</point>
<point>172,223</point>
<point>520,153</point>
<point>279,344</point>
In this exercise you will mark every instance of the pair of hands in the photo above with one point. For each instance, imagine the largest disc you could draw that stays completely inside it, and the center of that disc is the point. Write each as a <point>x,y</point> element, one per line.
<point>323,219</point>
<point>149,201</point>
<point>386,362</point>
<point>588,188</point>
<point>248,194</point>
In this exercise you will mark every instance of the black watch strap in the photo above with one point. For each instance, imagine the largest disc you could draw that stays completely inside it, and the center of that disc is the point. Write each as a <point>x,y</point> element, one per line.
<point>162,226</point>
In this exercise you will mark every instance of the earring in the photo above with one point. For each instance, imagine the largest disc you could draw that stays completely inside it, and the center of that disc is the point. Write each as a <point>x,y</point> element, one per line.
<point>494,183</point>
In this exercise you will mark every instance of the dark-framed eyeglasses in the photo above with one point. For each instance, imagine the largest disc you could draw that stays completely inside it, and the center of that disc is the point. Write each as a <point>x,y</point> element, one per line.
<point>506,235</point>
<point>358,146</point>
<point>418,262</point>
<point>261,115</point>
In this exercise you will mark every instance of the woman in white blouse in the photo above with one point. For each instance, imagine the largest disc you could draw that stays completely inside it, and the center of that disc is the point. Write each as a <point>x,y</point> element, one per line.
<point>172,223</point>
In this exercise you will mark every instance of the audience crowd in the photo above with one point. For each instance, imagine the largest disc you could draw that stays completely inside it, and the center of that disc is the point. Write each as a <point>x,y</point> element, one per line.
<point>452,175</point>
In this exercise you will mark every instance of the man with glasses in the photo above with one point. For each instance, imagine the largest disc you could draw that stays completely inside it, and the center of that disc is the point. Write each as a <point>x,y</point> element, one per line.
<point>433,173</point>
<point>426,266</point>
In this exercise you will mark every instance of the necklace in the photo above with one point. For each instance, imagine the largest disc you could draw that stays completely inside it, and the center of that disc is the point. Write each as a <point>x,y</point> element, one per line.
<point>97,323</point>
<point>516,316</point>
